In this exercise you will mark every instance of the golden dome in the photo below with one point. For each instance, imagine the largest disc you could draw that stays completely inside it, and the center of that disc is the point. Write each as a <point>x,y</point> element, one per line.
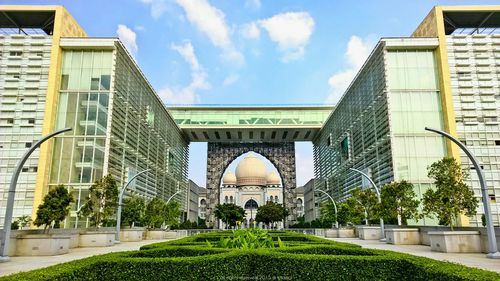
<point>273,178</point>
<point>251,171</point>
<point>229,178</point>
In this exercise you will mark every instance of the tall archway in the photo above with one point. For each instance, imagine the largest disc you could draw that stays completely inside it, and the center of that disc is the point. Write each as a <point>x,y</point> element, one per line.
<point>220,155</point>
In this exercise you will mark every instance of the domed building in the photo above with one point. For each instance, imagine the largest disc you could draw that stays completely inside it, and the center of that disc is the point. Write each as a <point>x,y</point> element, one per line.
<point>251,186</point>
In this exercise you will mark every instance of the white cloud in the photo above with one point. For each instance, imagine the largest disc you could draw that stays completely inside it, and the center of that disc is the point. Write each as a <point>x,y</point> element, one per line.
<point>356,53</point>
<point>128,38</point>
<point>211,21</point>
<point>291,31</point>
<point>253,4</point>
<point>158,7</point>
<point>250,31</point>
<point>230,79</point>
<point>187,53</point>
<point>187,94</point>
<point>139,27</point>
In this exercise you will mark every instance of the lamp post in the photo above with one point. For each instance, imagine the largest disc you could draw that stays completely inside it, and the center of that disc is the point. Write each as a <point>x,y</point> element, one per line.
<point>334,206</point>
<point>493,252</point>
<point>177,192</point>
<point>4,245</point>
<point>119,210</point>
<point>382,230</point>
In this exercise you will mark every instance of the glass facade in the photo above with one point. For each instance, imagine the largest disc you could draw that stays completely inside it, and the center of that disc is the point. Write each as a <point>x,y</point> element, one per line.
<point>414,103</point>
<point>378,126</point>
<point>356,135</point>
<point>78,156</point>
<point>251,116</point>
<point>120,127</point>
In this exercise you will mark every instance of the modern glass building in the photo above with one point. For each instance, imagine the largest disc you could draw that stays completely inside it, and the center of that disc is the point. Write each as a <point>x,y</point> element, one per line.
<point>446,76</point>
<point>57,78</point>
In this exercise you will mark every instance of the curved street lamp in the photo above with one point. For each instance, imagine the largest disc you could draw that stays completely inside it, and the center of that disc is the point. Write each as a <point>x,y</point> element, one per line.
<point>119,210</point>
<point>493,252</point>
<point>382,230</point>
<point>334,206</point>
<point>4,245</point>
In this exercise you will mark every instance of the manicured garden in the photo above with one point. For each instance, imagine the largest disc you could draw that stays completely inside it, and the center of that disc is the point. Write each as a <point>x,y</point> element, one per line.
<point>256,255</point>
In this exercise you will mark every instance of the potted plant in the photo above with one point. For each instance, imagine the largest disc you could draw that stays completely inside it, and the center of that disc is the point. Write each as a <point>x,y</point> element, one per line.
<point>448,201</point>
<point>100,207</point>
<point>366,200</point>
<point>399,204</point>
<point>54,209</point>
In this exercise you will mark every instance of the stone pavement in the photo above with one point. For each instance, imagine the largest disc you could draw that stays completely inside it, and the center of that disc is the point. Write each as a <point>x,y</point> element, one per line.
<point>472,260</point>
<point>18,264</point>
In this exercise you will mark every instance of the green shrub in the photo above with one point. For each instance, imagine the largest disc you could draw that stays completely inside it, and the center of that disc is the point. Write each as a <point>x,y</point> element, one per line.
<point>309,258</point>
<point>253,238</point>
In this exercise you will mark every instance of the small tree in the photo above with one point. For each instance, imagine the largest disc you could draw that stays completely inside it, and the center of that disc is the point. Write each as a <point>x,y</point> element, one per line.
<point>154,215</point>
<point>54,208</point>
<point>23,221</point>
<point>133,210</point>
<point>451,196</point>
<point>201,223</point>
<point>327,213</point>
<point>271,213</point>
<point>229,213</point>
<point>399,202</point>
<point>102,201</point>
<point>367,200</point>
<point>172,212</point>
<point>350,212</point>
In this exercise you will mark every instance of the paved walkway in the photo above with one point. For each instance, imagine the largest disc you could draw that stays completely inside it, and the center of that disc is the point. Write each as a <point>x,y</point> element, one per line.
<point>18,264</point>
<point>472,260</point>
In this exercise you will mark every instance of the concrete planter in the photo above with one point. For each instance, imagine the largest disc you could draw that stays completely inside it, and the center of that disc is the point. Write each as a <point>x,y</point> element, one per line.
<point>346,233</point>
<point>331,233</point>
<point>161,234</point>
<point>42,245</point>
<point>340,233</point>
<point>402,236</point>
<point>131,235</point>
<point>455,241</point>
<point>368,232</point>
<point>97,239</point>
<point>74,240</point>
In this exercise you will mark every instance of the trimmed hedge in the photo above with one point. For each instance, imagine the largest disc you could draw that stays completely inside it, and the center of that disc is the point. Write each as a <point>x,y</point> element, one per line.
<point>306,258</point>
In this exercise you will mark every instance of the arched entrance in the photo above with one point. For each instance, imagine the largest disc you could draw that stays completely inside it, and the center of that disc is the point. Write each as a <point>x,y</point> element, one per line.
<point>220,155</point>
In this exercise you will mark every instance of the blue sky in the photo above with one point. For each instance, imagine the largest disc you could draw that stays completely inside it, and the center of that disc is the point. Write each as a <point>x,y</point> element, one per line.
<point>249,51</point>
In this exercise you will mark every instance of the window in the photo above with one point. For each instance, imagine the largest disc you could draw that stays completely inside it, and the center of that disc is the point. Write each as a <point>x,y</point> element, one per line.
<point>231,199</point>
<point>492,198</point>
<point>497,142</point>
<point>344,148</point>
<point>25,169</point>
<point>276,198</point>
<point>225,200</point>
<point>31,121</point>
<point>15,53</point>
<point>94,83</point>
<point>64,81</point>
<point>27,144</point>
<point>16,76</point>
<point>10,121</point>
<point>105,82</point>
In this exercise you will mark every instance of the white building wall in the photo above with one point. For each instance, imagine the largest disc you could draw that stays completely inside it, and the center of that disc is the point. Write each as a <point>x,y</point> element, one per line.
<point>475,80</point>
<point>24,68</point>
